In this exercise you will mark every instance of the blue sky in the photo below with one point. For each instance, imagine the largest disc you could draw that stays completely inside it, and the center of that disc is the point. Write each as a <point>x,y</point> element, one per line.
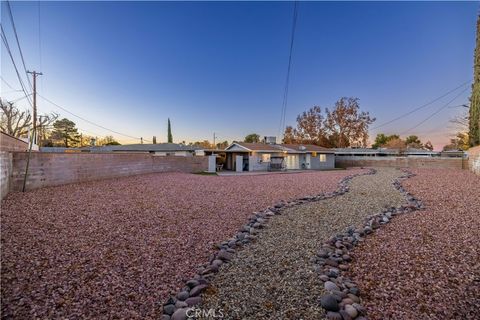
<point>221,66</point>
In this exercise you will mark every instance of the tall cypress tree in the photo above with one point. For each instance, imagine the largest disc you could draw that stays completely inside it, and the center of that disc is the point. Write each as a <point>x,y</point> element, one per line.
<point>474,117</point>
<point>170,137</point>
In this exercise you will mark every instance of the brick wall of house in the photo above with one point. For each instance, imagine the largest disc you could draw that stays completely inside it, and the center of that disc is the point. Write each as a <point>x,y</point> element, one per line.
<point>474,159</point>
<point>51,169</point>
<point>5,172</point>
<point>9,143</point>
<point>399,162</point>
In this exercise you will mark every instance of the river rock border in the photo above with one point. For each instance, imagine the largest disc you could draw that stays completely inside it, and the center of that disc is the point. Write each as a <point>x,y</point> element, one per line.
<point>189,296</point>
<point>342,301</point>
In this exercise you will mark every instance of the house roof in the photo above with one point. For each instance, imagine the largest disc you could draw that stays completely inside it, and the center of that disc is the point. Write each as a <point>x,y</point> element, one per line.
<point>293,148</point>
<point>255,146</point>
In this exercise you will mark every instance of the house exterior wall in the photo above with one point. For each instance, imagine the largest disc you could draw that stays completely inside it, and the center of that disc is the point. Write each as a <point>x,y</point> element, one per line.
<point>51,169</point>
<point>316,164</point>
<point>256,163</point>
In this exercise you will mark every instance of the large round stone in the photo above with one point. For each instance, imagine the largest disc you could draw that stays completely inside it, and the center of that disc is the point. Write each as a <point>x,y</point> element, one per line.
<point>329,303</point>
<point>330,286</point>
<point>352,312</point>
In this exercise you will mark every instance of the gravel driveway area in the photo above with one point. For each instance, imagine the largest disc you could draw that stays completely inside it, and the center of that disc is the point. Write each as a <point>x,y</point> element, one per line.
<point>274,278</point>
<point>426,264</point>
<point>116,248</point>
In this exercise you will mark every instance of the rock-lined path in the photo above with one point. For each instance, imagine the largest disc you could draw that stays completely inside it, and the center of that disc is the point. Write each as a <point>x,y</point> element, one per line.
<point>274,278</point>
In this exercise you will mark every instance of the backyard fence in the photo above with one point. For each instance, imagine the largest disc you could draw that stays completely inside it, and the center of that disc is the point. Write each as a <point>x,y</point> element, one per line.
<point>400,162</point>
<point>51,169</point>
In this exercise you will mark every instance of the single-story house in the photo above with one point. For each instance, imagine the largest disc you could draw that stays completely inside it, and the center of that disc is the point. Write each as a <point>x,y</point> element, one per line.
<point>242,156</point>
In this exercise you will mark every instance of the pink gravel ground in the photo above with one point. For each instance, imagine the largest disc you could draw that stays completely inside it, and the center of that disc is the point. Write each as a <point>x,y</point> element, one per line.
<point>426,265</point>
<point>116,248</point>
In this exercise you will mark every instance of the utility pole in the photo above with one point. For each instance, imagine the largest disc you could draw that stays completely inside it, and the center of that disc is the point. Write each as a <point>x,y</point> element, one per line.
<point>214,146</point>
<point>34,133</point>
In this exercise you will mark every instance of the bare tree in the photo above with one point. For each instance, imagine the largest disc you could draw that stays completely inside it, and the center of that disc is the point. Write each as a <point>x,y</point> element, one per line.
<point>13,121</point>
<point>16,122</point>
<point>44,125</point>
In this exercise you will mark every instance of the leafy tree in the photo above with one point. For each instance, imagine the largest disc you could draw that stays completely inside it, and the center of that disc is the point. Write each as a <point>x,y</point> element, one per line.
<point>428,145</point>
<point>398,144</point>
<point>310,127</point>
<point>65,133</point>
<point>412,139</point>
<point>474,119</point>
<point>414,142</point>
<point>222,145</point>
<point>170,137</point>
<point>460,142</point>
<point>289,135</point>
<point>346,125</point>
<point>108,141</point>
<point>383,139</point>
<point>83,140</point>
<point>252,138</point>
<point>202,144</point>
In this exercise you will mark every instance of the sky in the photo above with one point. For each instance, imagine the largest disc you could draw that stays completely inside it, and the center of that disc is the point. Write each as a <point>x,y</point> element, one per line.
<point>221,66</point>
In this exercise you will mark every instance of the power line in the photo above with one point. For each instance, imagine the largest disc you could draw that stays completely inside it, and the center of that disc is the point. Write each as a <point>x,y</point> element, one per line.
<point>285,93</point>
<point>8,84</point>
<point>18,43</point>
<point>21,98</point>
<point>422,106</point>
<point>93,123</point>
<point>5,42</point>
<point>40,42</point>
<point>436,112</point>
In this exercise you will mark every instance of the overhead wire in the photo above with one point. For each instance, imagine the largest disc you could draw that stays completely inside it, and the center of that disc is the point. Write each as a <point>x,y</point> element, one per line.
<point>18,43</point>
<point>422,106</point>
<point>434,113</point>
<point>287,80</point>
<point>8,84</point>
<point>7,46</point>
<point>88,121</point>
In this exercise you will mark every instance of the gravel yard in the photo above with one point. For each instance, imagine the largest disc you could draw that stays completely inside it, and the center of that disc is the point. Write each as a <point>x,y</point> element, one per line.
<point>426,264</point>
<point>116,248</point>
<point>274,278</point>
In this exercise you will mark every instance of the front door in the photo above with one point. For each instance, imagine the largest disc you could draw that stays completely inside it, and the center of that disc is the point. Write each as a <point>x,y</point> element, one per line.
<point>292,162</point>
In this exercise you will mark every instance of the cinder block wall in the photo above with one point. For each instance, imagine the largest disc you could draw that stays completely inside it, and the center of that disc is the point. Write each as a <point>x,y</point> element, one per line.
<point>51,169</point>
<point>9,143</point>
<point>6,171</point>
<point>399,162</point>
<point>474,159</point>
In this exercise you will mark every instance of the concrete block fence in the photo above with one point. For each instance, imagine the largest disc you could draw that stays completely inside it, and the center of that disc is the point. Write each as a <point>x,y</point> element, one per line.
<point>399,162</point>
<point>52,169</point>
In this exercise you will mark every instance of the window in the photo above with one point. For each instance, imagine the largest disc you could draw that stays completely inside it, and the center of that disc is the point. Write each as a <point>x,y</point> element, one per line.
<point>323,158</point>
<point>266,157</point>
